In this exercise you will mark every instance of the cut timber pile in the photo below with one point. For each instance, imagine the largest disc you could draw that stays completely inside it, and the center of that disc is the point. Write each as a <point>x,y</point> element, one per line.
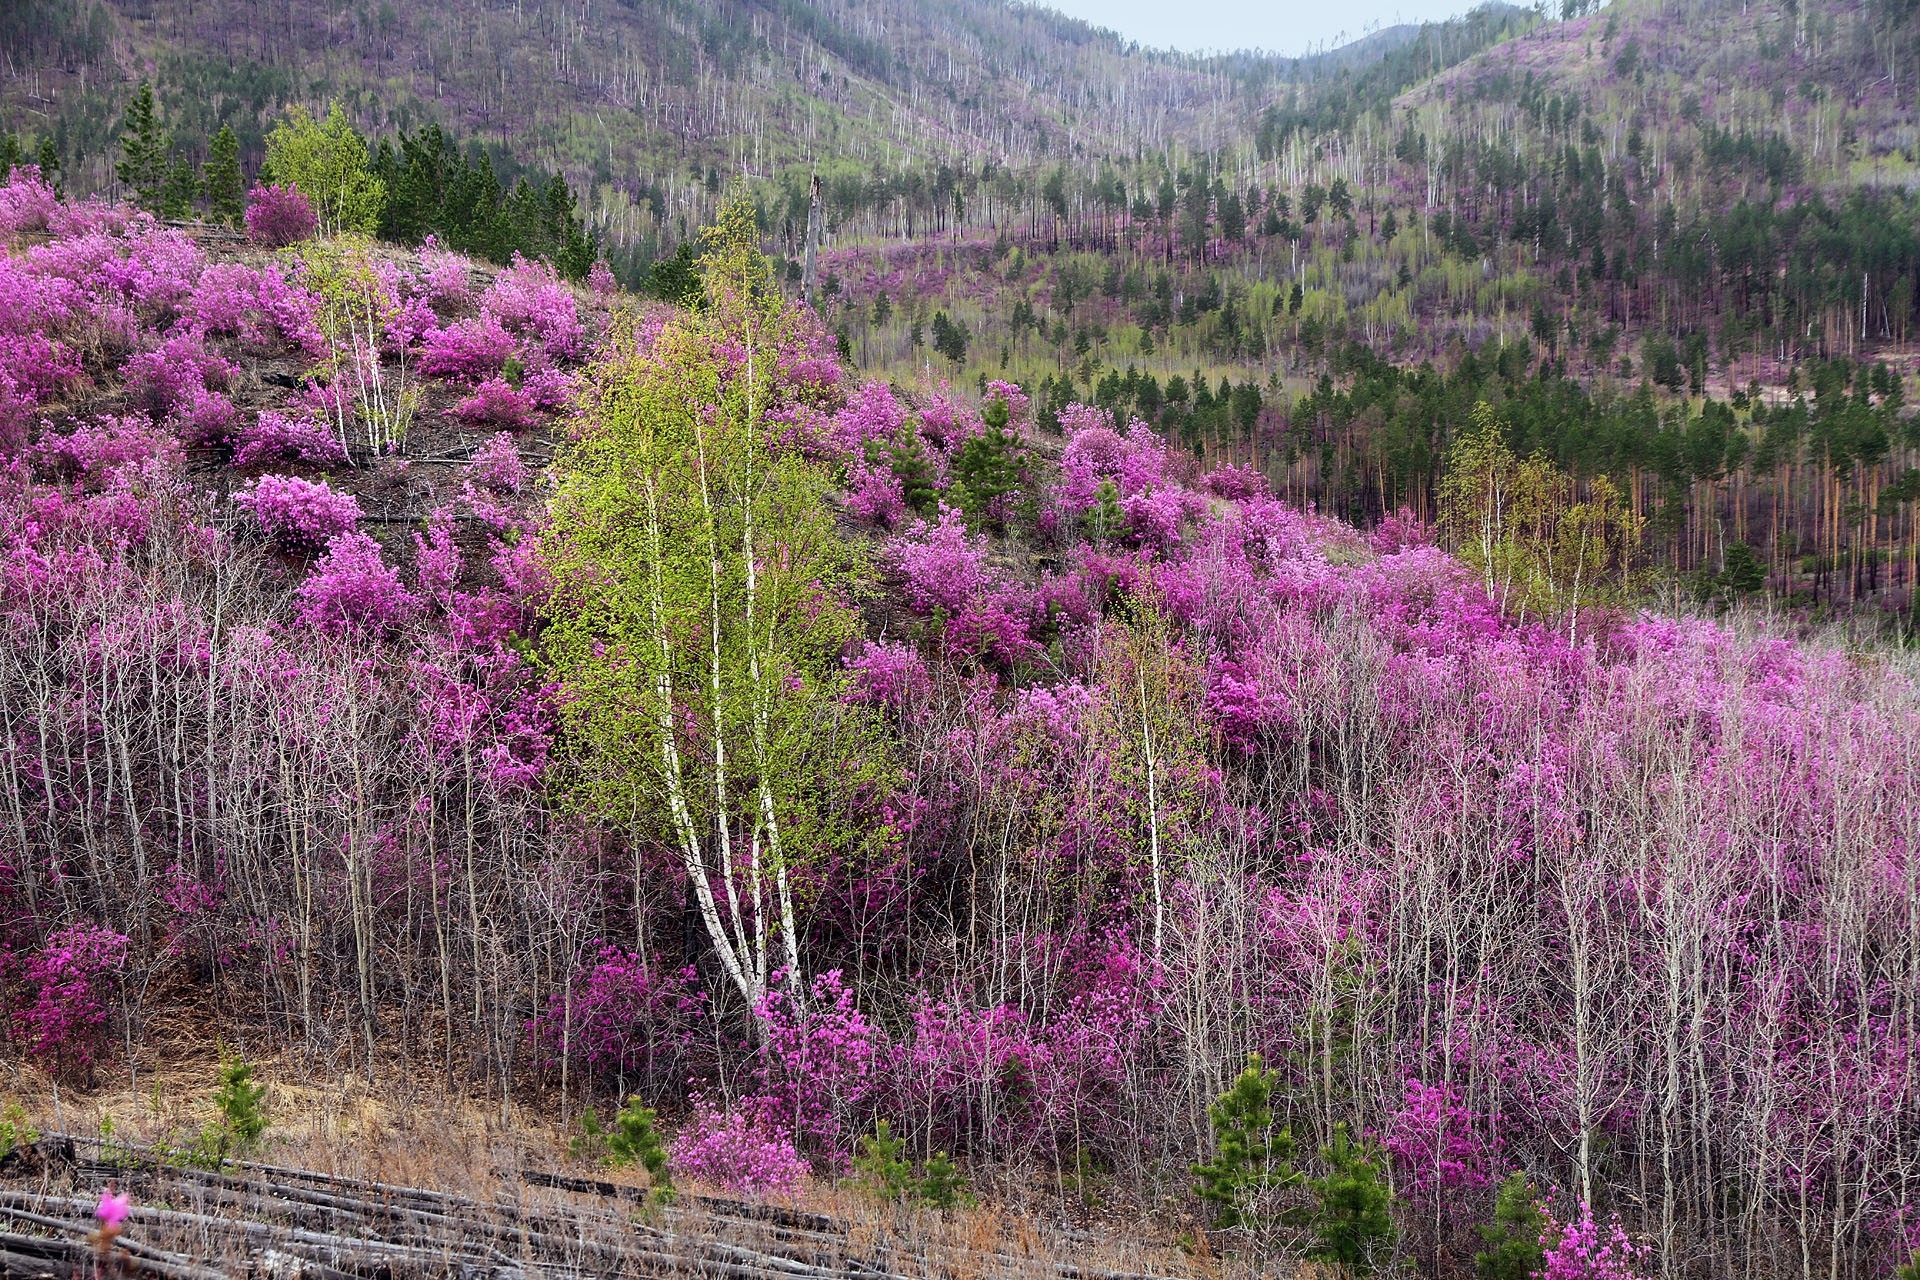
<point>262,1220</point>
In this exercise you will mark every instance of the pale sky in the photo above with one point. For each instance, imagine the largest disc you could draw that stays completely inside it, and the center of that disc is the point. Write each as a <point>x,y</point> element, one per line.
<point>1279,26</point>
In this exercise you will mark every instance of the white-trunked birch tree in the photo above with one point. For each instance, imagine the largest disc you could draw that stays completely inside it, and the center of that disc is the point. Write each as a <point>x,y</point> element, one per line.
<point>700,608</point>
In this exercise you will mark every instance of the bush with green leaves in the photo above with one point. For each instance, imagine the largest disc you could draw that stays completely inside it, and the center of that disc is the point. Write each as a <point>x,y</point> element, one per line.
<point>327,162</point>
<point>16,1130</point>
<point>1250,1155</point>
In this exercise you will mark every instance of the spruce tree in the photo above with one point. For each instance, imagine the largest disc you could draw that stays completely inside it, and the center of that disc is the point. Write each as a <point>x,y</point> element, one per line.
<point>181,189</point>
<point>143,150</point>
<point>914,469</point>
<point>226,188</point>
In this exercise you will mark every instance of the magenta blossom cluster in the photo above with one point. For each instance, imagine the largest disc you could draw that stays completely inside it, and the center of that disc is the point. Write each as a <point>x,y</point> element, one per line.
<point>70,981</point>
<point>736,1150</point>
<point>277,216</point>
<point>295,512</point>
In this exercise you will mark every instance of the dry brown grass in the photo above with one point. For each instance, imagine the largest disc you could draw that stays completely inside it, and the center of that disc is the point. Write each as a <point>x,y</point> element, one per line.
<point>408,1132</point>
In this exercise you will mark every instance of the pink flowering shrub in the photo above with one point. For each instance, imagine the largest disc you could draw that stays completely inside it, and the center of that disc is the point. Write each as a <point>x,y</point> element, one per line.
<point>166,379</point>
<point>299,513</point>
<point>944,567</point>
<point>498,404</point>
<point>529,299</point>
<point>278,216</point>
<point>1437,1146</point>
<point>1578,1249</point>
<point>469,350</point>
<point>352,589</point>
<point>496,466</point>
<point>70,980</point>
<point>874,493</point>
<point>548,389</point>
<point>27,203</point>
<point>448,275</point>
<point>945,572</point>
<point>93,453</point>
<point>890,674</point>
<point>818,1062</point>
<point>622,1018</point>
<point>739,1151</point>
<point>1399,531</point>
<point>38,367</point>
<point>600,280</point>
<point>287,437</point>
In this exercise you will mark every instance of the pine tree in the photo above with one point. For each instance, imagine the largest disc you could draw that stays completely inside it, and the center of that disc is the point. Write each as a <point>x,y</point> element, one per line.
<point>1351,1222</point>
<point>49,162</point>
<point>143,150</point>
<point>942,1186</point>
<point>1107,518</point>
<point>950,338</point>
<point>989,467</point>
<point>636,1140</point>
<point>914,469</point>
<point>1250,1155</point>
<point>1513,1249</point>
<point>181,189</point>
<point>226,187</point>
<point>880,1165</point>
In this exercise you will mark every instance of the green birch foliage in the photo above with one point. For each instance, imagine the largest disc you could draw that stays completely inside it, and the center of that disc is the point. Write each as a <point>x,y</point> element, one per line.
<point>1539,547</point>
<point>701,598</point>
<point>327,163</point>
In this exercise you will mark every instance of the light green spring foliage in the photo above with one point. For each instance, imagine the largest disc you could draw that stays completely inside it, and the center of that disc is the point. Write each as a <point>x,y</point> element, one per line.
<point>701,599</point>
<point>1539,547</point>
<point>378,403</point>
<point>327,162</point>
<point>1352,1223</point>
<point>15,1129</point>
<point>1250,1155</point>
